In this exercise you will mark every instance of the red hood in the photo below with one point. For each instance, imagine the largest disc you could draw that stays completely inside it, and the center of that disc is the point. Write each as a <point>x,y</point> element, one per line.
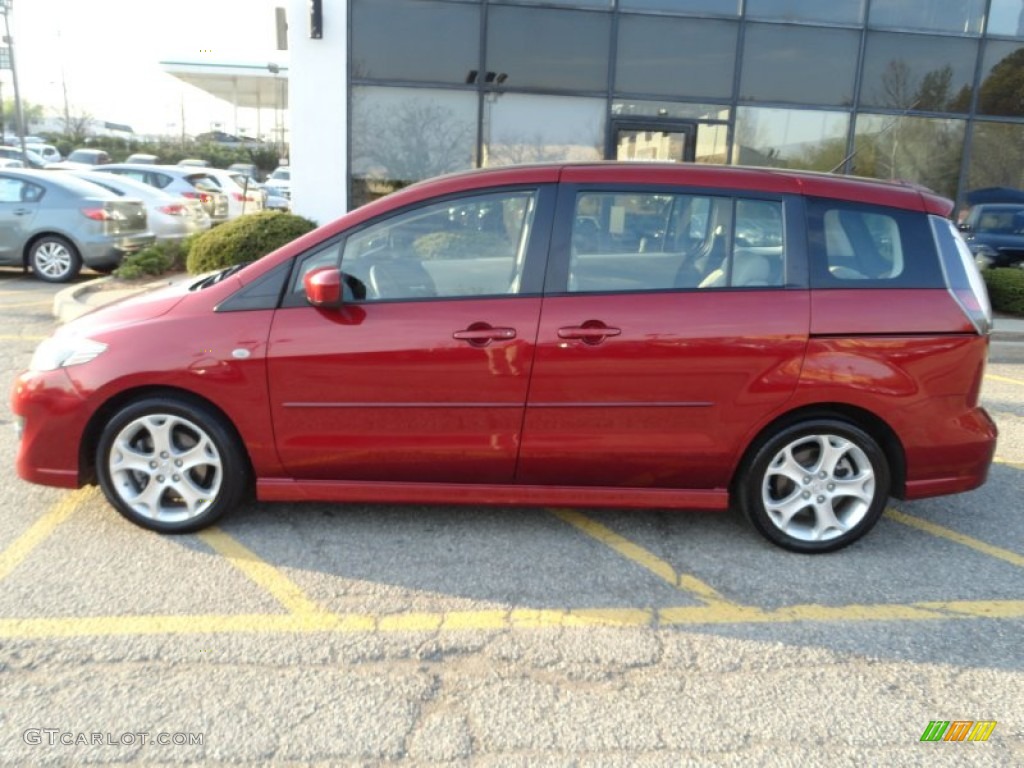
<point>129,310</point>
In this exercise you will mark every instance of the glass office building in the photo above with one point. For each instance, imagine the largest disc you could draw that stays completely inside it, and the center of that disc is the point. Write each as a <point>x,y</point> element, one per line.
<point>930,91</point>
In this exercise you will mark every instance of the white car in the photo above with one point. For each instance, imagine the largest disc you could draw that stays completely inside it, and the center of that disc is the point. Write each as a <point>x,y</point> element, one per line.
<point>280,182</point>
<point>240,199</point>
<point>48,152</point>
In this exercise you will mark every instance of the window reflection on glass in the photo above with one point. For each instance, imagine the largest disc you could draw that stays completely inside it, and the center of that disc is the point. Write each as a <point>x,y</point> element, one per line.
<point>548,48</point>
<point>1006,17</point>
<point>802,65</point>
<point>650,242</point>
<point>997,156</point>
<point>388,40</point>
<point>722,7</point>
<point>791,138</point>
<point>473,246</point>
<point>669,109</point>
<point>652,145</point>
<point>403,135</point>
<point>917,72</point>
<point>520,128</point>
<point>675,57</point>
<point>839,11</point>
<point>1002,85</point>
<point>918,149</point>
<point>964,16</point>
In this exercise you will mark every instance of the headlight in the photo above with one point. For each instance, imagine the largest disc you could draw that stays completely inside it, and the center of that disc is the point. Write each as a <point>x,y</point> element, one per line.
<point>54,353</point>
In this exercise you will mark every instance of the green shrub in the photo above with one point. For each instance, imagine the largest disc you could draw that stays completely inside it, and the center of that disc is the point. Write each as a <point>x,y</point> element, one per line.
<point>1006,289</point>
<point>246,238</point>
<point>157,259</point>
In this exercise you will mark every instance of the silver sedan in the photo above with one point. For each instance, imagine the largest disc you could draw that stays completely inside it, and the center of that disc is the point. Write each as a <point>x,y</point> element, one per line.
<point>171,217</point>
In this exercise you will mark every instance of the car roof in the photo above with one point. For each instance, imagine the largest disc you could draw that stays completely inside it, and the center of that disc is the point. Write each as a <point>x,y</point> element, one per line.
<point>66,181</point>
<point>136,187</point>
<point>897,194</point>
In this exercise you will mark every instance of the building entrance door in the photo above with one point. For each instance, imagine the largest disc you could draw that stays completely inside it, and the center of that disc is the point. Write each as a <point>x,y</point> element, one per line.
<point>653,140</point>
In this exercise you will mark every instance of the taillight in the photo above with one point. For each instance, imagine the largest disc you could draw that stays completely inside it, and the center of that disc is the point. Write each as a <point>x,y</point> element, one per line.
<point>173,209</point>
<point>962,277</point>
<point>101,214</point>
<point>239,197</point>
<point>202,197</point>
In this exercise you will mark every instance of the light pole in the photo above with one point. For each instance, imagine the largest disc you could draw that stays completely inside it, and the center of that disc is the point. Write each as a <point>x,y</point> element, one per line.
<point>5,8</point>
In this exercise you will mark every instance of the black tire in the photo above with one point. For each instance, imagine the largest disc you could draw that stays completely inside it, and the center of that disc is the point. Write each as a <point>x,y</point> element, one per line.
<point>180,451</point>
<point>54,259</point>
<point>815,486</point>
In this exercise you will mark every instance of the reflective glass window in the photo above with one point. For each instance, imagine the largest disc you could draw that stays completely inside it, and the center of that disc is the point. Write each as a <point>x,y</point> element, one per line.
<point>1006,17</point>
<point>675,57</point>
<point>920,149</point>
<point>676,110</point>
<point>721,7</point>
<point>521,128</point>
<point>578,3</point>
<point>472,246</point>
<point>963,16</point>
<point>402,135</point>
<point>388,42</point>
<point>548,48</point>
<point>655,241</point>
<point>791,138</point>
<point>839,11</point>
<point>917,72</point>
<point>1002,85</point>
<point>799,64</point>
<point>997,156</point>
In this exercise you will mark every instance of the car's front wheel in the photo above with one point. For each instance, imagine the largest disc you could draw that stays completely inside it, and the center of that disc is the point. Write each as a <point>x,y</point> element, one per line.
<point>54,259</point>
<point>816,486</point>
<point>170,466</point>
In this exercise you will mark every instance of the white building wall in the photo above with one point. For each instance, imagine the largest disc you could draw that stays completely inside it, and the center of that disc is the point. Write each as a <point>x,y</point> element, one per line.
<point>318,105</point>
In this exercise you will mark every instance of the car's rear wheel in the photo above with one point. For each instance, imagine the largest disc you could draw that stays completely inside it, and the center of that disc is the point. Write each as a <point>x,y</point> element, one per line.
<point>54,259</point>
<point>816,486</point>
<point>170,466</point>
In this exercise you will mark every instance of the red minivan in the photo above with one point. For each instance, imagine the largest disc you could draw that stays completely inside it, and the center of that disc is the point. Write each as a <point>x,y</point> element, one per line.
<point>620,335</point>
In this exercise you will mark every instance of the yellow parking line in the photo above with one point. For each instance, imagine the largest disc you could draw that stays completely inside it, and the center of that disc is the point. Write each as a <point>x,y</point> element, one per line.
<point>23,304</point>
<point>948,533</point>
<point>520,618</point>
<point>640,556</point>
<point>1004,379</point>
<point>286,591</point>
<point>12,337</point>
<point>40,530</point>
<point>1008,463</point>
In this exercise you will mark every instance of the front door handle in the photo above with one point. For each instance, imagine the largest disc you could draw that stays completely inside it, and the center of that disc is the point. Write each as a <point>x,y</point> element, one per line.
<point>21,211</point>
<point>590,332</point>
<point>482,334</point>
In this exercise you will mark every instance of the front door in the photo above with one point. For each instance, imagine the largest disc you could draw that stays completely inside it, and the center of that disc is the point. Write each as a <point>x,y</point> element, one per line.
<point>653,140</point>
<point>422,376</point>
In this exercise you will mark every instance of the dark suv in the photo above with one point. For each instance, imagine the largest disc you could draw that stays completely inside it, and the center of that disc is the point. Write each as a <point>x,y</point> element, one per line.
<point>995,234</point>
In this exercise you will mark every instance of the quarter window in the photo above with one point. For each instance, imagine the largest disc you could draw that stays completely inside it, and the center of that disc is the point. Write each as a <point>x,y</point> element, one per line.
<point>468,247</point>
<point>650,242</point>
<point>856,246</point>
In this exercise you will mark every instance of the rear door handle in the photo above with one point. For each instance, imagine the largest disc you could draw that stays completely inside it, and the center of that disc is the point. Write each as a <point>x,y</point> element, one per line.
<point>482,334</point>
<point>590,332</point>
<point>21,211</point>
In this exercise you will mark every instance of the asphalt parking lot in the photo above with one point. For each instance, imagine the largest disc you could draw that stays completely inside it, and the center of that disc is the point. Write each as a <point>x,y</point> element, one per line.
<point>363,635</point>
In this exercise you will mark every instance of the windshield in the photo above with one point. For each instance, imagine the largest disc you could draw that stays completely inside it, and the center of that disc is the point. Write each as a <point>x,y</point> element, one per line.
<point>1001,221</point>
<point>281,173</point>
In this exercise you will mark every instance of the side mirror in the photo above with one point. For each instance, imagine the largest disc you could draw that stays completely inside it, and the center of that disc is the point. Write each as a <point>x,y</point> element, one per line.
<point>323,287</point>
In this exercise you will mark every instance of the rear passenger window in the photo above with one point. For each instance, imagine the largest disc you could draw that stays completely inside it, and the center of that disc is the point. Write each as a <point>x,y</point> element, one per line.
<point>868,246</point>
<point>650,242</point>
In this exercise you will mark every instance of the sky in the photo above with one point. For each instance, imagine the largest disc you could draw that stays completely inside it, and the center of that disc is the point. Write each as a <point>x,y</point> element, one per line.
<point>107,52</point>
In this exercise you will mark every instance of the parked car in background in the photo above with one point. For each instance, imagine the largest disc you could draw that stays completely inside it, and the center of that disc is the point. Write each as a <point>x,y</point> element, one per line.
<point>55,223</point>
<point>194,162</point>
<point>89,157</point>
<point>28,158</point>
<point>193,183</point>
<point>171,217</point>
<point>801,346</point>
<point>10,162</point>
<point>280,182</point>
<point>48,152</point>
<point>995,234</point>
<point>242,198</point>
<point>143,158</point>
<point>247,169</point>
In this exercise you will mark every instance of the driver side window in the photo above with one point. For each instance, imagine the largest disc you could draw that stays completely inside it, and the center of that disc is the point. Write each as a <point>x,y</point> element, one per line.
<point>466,247</point>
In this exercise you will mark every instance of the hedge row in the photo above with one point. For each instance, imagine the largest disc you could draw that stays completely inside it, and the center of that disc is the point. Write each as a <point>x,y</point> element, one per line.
<point>1006,289</point>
